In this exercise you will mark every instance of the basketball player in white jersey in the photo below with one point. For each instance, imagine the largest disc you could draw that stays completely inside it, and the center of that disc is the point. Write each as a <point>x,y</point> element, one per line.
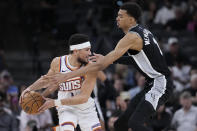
<point>74,104</point>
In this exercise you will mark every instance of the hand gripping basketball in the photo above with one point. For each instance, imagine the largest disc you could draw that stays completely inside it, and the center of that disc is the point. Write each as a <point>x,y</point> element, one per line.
<point>31,102</point>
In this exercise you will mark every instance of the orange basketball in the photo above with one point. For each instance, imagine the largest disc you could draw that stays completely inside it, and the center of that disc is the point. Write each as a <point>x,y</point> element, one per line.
<point>31,102</point>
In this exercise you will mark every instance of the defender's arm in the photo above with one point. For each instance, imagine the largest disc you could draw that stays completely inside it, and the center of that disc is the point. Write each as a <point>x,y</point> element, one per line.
<point>129,41</point>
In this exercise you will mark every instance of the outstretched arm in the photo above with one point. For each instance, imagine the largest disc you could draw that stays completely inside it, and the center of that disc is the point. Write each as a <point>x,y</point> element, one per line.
<point>129,41</point>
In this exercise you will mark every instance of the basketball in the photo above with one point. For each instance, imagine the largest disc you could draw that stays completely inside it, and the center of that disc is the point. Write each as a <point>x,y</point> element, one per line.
<point>31,102</point>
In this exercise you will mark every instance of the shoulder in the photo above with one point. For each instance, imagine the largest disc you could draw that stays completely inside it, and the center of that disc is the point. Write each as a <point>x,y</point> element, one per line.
<point>55,63</point>
<point>55,60</point>
<point>133,40</point>
<point>132,36</point>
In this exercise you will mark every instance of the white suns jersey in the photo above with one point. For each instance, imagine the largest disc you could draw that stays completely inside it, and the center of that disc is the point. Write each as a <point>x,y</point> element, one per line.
<point>70,87</point>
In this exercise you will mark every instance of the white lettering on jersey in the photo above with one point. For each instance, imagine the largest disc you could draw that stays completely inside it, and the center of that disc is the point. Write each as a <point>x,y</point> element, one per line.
<point>146,38</point>
<point>70,85</point>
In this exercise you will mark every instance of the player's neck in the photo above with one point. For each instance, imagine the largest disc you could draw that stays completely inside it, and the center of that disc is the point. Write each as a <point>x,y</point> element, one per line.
<point>73,61</point>
<point>126,30</point>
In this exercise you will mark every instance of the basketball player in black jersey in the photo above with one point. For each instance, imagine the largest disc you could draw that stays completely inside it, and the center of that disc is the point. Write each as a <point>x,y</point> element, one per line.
<point>139,48</point>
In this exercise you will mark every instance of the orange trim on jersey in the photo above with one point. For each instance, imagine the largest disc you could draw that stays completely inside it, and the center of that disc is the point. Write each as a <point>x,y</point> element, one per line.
<point>97,128</point>
<point>68,123</point>
<point>60,65</point>
<point>54,128</point>
<point>67,65</point>
<point>74,79</point>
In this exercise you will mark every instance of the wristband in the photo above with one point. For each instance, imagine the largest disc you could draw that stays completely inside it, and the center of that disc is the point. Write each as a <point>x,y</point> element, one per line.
<point>58,103</point>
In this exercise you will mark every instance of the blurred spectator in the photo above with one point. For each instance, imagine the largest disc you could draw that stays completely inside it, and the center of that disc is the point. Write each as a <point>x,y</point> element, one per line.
<point>122,100</point>
<point>193,71</point>
<point>118,85</point>
<point>6,80</point>
<point>10,90</point>
<point>185,119</point>
<point>149,15</point>
<point>165,13</point>
<point>193,88</point>
<point>112,119</point>
<point>110,108</point>
<point>192,25</point>
<point>181,74</point>
<point>174,52</point>
<point>161,120</point>
<point>42,121</point>
<point>111,123</point>
<point>2,58</point>
<point>7,121</point>
<point>125,73</point>
<point>192,5</point>
<point>103,93</point>
<point>140,85</point>
<point>2,88</point>
<point>178,23</point>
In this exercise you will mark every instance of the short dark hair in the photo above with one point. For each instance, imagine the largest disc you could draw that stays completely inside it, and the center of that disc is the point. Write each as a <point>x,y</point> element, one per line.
<point>77,39</point>
<point>132,9</point>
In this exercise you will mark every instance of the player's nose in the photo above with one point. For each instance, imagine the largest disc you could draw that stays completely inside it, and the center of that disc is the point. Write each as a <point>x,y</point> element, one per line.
<point>117,18</point>
<point>89,53</point>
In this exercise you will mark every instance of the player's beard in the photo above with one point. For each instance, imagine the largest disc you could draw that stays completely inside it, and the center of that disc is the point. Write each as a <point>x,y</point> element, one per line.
<point>83,62</point>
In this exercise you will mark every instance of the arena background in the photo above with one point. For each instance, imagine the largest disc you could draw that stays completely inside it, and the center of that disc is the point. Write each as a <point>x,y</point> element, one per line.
<point>33,32</point>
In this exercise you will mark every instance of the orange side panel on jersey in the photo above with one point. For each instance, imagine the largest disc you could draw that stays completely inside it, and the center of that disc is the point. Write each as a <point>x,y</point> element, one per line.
<point>60,65</point>
<point>54,128</point>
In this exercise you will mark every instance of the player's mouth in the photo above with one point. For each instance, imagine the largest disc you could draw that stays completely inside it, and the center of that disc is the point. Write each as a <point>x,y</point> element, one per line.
<point>117,23</point>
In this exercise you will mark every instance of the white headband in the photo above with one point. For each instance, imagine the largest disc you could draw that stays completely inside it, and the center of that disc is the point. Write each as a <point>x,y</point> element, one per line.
<point>80,46</point>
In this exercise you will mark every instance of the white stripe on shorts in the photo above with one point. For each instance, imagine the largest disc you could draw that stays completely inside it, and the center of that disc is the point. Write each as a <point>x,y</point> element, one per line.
<point>158,89</point>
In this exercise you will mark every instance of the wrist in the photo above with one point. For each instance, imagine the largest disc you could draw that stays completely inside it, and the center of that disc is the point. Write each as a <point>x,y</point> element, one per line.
<point>57,102</point>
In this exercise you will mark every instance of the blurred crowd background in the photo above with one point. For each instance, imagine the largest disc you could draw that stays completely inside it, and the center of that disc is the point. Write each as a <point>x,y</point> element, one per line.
<point>33,32</point>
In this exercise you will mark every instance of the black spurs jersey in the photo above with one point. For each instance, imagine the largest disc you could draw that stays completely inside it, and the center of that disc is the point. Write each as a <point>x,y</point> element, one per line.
<point>149,61</point>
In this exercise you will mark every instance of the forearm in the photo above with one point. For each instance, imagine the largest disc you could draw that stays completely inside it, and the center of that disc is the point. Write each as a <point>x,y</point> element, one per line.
<point>93,67</point>
<point>101,76</point>
<point>48,91</point>
<point>37,85</point>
